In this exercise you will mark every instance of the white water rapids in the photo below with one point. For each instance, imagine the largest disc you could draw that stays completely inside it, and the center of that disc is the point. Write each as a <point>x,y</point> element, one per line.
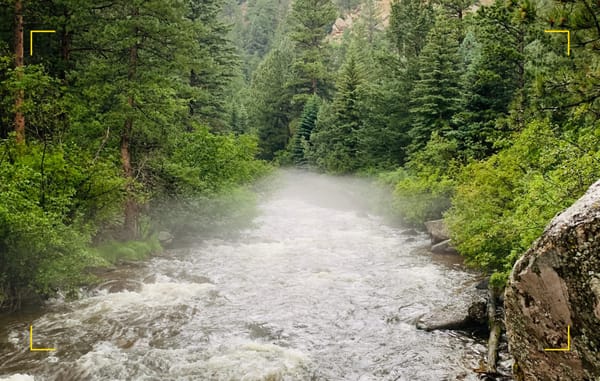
<point>315,289</point>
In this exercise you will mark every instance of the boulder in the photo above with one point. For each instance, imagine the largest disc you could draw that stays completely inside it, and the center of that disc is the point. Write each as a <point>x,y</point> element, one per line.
<point>555,285</point>
<point>471,316</point>
<point>437,231</point>
<point>165,238</point>
<point>444,247</point>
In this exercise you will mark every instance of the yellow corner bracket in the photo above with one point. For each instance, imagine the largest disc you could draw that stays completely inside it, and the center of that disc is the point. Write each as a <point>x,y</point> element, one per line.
<point>568,37</point>
<point>31,38</point>
<point>31,348</point>
<point>568,348</point>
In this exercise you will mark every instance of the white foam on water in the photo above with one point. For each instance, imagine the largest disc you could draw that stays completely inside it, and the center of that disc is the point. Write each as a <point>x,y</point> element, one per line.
<point>254,361</point>
<point>151,295</point>
<point>18,377</point>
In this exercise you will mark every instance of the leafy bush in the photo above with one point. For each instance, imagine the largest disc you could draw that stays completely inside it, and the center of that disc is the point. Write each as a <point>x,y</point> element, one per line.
<point>424,187</point>
<point>48,196</point>
<point>502,204</point>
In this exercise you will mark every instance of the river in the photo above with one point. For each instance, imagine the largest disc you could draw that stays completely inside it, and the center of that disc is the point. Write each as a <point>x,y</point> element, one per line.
<point>317,288</point>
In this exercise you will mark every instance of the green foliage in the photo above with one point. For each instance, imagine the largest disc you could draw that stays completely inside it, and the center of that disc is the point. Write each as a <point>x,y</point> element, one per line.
<point>270,107</point>
<point>310,20</point>
<point>205,164</point>
<point>50,197</point>
<point>302,135</point>
<point>111,107</point>
<point>423,189</point>
<point>502,204</point>
<point>335,145</point>
<point>435,97</point>
<point>410,22</point>
<point>113,251</point>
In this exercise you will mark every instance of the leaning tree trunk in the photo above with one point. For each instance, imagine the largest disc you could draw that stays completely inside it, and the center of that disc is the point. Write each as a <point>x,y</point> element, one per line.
<point>19,63</point>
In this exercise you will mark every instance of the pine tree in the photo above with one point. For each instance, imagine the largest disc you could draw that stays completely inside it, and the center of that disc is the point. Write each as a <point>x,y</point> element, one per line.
<point>19,63</point>
<point>303,132</point>
<point>131,81</point>
<point>215,63</point>
<point>436,94</point>
<point>335,139</point>
<point>311,20</point>
<point>410,22</point>
<point>270,108</point>
<point>494,78</point>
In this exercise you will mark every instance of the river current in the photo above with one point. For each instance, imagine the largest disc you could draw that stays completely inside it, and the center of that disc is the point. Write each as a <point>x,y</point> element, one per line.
<point>317,288</point>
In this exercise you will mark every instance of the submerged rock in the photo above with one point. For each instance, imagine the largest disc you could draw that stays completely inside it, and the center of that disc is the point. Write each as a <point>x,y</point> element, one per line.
<point>556,285</point>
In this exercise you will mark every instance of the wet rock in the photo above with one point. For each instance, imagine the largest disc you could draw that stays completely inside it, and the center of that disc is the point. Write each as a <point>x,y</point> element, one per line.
<point>444,247</point>
<point>554,285</point>
<point>410,232</point>
<point>471,316</point>
<point>165,238</point>
<point>483,285</point>
<point>437,231</point>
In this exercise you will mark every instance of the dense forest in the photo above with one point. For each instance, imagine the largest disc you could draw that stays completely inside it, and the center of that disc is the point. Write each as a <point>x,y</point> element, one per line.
<point>132,114</point>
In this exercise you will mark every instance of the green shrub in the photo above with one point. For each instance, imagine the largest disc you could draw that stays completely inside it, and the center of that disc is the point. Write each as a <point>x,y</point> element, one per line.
<point>503,204</point>
<point>113,251</point>
<point>424,187</point>
<point>51,199</point>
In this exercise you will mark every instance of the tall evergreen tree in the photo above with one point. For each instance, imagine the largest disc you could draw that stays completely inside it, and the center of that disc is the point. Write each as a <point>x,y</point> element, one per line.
<point>311,20</point>
<point>436,94</point>
<point>302,135</point>
<point>19,63</point>
<point>410,22</point>
<point>494,79</point>
<point>270,107</point>
<point>215,63</point>
<point>335,139</point>
<point>131,83</point>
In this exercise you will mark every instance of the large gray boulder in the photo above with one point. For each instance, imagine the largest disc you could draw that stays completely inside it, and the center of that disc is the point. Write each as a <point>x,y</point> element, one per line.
<point>554,285</point>
<point>437,231</point>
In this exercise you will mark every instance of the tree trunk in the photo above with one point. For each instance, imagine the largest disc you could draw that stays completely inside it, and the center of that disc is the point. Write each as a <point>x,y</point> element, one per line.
<point>130,218</point>
<point>495,331</point>
<point>19,63</point>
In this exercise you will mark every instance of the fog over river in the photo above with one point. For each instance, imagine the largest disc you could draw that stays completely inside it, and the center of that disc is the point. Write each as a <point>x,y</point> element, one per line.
<point>317,288</point>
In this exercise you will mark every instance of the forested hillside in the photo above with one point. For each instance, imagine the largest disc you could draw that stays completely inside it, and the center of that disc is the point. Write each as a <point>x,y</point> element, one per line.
<point>469,111</point>
<point>133,114</point>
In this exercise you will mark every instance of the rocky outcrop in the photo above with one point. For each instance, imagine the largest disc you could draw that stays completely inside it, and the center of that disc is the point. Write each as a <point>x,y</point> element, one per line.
<point>554,285</point>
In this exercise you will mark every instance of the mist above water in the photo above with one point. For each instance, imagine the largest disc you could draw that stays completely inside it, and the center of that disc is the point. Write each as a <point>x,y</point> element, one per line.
<point>318,288</point>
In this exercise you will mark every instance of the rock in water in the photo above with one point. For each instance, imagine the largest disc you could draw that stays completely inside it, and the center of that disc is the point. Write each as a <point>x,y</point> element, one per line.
<point>165,238</point>
<point>444,247</point>
<point>554,285</point>
<point>437,231</point>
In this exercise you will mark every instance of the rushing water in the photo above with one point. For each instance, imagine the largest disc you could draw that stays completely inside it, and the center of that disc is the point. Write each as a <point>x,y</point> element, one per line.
<point>316,289</point>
